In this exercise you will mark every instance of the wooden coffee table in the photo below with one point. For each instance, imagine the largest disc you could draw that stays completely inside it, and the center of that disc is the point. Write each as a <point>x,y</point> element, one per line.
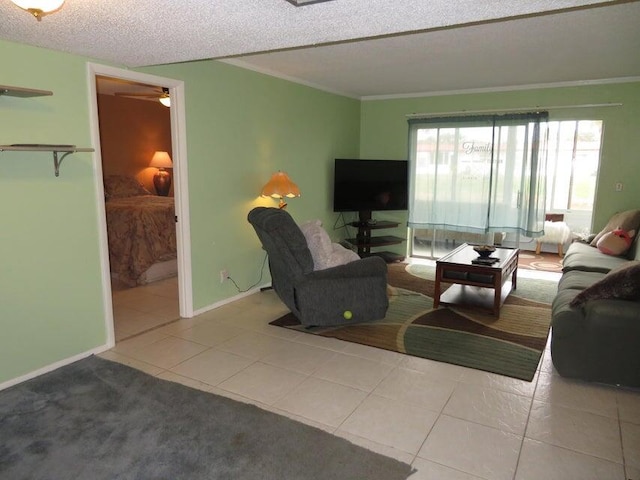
<point>476,284</point>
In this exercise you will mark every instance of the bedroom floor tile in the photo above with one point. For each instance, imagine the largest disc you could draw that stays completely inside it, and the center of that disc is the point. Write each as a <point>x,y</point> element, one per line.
<point>136,310</point>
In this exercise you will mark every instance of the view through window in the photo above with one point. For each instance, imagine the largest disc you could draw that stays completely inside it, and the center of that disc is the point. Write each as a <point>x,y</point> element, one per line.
<point>573,158</point>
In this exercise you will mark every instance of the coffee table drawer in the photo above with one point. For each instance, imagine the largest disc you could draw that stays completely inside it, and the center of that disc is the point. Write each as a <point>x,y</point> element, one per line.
<point>486,278</point>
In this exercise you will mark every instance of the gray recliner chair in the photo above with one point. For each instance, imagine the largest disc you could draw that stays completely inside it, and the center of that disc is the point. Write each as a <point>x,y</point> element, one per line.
<point>319,297</point>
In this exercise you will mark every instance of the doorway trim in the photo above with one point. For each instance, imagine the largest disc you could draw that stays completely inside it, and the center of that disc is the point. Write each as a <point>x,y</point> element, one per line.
<point>181,185</point>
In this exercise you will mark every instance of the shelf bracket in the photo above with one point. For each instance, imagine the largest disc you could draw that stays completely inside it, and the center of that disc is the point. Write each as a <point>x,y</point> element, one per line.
<point>57,162</point>
<point>59,152</point>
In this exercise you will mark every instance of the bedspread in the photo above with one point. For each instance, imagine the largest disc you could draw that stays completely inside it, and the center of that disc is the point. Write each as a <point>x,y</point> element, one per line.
<point>141,231</point>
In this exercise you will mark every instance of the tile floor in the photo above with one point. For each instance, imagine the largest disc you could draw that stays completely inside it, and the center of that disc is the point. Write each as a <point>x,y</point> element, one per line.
<point>136,310</point>
<point>449,422</point>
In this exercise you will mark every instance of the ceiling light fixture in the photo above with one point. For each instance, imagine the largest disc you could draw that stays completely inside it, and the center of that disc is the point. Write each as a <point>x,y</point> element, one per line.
<point>300,3</point>
<point>165,99</point>
<point>39,8</point>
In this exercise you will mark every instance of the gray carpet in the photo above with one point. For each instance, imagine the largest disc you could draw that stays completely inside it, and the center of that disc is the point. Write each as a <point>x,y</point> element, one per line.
<point>96,419</point>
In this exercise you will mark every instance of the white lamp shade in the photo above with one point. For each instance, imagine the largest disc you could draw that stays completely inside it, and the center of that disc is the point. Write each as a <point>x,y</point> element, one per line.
<point>161,160</point>
<point>165,100</point>
<point>45,6</point>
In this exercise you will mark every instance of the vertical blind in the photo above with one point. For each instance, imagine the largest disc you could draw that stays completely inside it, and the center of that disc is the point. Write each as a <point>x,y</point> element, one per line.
<point>478,174</point>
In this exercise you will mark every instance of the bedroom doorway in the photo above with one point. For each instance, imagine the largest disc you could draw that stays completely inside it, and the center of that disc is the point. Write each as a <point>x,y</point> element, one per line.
<point>143,222</point>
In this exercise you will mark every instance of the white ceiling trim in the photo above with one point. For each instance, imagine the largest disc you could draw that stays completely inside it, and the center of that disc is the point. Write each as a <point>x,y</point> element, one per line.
<point>238,62</point>
<point>533,86</point>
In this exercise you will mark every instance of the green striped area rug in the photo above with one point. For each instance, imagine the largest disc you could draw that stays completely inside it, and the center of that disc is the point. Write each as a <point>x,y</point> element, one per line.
<point>510,345</point>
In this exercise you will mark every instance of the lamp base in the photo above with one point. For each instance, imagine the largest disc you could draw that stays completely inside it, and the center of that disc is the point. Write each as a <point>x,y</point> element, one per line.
<point>162,183</point>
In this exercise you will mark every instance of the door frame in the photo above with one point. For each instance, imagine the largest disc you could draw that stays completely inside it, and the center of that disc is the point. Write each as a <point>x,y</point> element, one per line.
<point>181,185</point>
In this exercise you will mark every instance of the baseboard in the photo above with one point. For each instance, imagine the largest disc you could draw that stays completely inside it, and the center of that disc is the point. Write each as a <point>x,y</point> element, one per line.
<point>213,306</point>
<point>53,366</point>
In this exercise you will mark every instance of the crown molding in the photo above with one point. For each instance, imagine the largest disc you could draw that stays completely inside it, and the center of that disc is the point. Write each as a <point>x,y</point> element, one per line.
<point>533,86</point>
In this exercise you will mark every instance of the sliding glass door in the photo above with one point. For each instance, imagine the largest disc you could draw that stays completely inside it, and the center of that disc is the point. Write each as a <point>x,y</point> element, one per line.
<point>474,179</point>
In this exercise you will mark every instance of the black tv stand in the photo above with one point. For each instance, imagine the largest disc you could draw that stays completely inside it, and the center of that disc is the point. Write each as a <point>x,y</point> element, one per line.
<point>364,242</point>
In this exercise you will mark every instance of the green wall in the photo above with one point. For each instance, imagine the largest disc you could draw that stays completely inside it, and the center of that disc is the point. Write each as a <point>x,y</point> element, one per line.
<point>241,127</point>
<point>50,292</point>
<point>384,131</point>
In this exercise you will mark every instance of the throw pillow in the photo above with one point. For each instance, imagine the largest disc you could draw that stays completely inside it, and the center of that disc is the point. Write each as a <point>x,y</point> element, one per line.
<point>325,254</point>
<point>621,283</point>
<point>118,186</point>
<point>616,242</point>
<point>629,220</point>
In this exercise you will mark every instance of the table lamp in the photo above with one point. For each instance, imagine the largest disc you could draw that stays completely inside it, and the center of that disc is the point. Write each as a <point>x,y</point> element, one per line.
<point>162,179</point>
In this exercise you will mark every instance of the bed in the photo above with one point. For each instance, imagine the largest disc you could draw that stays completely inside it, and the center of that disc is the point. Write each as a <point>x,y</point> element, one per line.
<point>141,232</point>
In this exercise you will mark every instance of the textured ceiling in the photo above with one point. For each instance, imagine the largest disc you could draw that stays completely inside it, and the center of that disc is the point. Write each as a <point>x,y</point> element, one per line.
<point>568,47</point>
<point>412,46</point>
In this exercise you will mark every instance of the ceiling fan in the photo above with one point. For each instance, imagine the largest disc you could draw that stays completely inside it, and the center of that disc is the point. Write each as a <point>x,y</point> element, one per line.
<point>161,93</point>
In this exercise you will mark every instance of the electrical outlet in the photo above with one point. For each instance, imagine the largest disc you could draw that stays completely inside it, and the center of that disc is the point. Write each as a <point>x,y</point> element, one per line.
<point>223,275</point>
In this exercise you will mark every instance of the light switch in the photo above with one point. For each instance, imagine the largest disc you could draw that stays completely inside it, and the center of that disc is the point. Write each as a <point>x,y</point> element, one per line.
<point>619,187</point>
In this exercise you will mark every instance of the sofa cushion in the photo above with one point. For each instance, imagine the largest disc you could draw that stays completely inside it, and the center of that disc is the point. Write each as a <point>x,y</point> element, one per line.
<point>629,220</point>
<point>621,283</point>
<point>592,262</point>
<point>580,247</point>
<point>578,280</point>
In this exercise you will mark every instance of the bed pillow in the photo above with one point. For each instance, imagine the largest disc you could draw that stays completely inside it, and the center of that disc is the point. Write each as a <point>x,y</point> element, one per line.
<point>629,220</point>
<point>118,186</point>
<point>620,283</point>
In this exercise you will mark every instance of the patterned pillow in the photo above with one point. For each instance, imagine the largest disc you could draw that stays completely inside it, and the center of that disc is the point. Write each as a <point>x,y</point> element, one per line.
<point>118,186</point>
<point>620,283</point>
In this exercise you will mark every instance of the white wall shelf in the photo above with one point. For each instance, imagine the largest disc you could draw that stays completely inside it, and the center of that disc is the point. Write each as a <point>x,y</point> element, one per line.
<point>55,149</point>
<point>23,92</point>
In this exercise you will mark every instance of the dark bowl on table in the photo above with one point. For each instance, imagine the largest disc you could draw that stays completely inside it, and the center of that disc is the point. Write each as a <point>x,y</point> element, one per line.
<point>484,250</point>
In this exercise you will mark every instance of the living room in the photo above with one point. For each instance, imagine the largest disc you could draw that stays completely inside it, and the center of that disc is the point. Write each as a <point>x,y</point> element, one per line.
<point>241,126</point>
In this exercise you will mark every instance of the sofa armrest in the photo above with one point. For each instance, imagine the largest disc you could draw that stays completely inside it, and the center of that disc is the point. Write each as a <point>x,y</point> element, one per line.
<point>614,314</point>
<point>598,342</point>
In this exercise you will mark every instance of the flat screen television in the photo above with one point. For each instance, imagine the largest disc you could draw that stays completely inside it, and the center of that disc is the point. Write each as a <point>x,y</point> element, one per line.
<point>370,185</point>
